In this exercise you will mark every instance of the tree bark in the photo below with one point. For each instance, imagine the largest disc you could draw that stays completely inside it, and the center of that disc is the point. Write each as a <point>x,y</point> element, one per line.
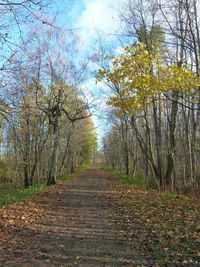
<point>53,161</point>
<point>171,149</point>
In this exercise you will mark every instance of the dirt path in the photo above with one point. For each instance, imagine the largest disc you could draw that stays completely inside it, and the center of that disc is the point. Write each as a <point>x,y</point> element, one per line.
<point>95,220</point>
<point>70,225</point>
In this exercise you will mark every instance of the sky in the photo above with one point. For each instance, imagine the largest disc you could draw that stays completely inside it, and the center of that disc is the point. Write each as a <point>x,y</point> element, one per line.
<point>89,17</point>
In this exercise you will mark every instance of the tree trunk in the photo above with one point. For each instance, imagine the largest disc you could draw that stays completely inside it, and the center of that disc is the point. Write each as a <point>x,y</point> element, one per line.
<point>26,158</point>
<point>124,132</point>
<point>26,176</point>
<point>158,145</point>
<point>172,128</point>
<point>54,155</point>
<point>126,160</point>
<point>65,157</point>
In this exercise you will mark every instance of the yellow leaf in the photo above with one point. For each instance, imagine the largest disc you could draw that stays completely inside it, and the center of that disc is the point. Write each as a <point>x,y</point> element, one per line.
<point>170,233</point>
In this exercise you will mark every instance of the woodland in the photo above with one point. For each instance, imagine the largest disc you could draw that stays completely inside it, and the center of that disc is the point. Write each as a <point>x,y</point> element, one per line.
<point>46,129</point>
<point>151,87</point>
<point>155,95</point>
<point>136,203</point>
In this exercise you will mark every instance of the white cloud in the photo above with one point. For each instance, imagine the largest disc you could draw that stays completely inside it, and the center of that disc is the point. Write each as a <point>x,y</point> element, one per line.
<point>119,50</point>
<point>98,15</point>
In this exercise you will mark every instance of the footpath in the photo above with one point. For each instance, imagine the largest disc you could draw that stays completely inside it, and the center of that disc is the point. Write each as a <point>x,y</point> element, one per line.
<point>90,221</point>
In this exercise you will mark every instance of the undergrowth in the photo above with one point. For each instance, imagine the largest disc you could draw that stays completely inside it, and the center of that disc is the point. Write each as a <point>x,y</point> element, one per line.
<point>140,180</point>
<point>20,194</point>
<point>137,179</point>
<point>9,194</point>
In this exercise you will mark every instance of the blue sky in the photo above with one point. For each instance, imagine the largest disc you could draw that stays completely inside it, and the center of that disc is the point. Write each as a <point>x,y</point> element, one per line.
<point>89,14</point>
<point>87,17</point>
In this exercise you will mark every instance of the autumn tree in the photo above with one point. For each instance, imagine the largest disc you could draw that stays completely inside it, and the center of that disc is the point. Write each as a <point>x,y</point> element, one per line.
<point>46,108</point>
<point>15,16</point>
<point>142,78</point>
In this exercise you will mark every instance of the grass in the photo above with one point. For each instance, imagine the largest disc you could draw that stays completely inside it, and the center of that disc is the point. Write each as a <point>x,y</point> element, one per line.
<point>106,169</point>
<point>128,179</point>
<point>9,194</point>
<point>66,177</point>
<point>160,255</point>
<point>137,179</point>
<point>169,195</point>
<point>20,194</point>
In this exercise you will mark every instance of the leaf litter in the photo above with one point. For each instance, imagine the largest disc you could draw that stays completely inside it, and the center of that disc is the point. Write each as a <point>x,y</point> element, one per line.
<point>97,221</point>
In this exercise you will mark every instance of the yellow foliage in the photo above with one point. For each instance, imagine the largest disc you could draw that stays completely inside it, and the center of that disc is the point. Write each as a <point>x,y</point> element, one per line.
<point>143,77</point>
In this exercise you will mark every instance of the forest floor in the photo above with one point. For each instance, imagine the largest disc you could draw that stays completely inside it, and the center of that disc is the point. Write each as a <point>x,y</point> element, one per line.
<point>95,220</point>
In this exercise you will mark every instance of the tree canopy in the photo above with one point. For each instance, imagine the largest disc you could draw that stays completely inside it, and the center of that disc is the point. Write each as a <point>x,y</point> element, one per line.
<point>142,76</point>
